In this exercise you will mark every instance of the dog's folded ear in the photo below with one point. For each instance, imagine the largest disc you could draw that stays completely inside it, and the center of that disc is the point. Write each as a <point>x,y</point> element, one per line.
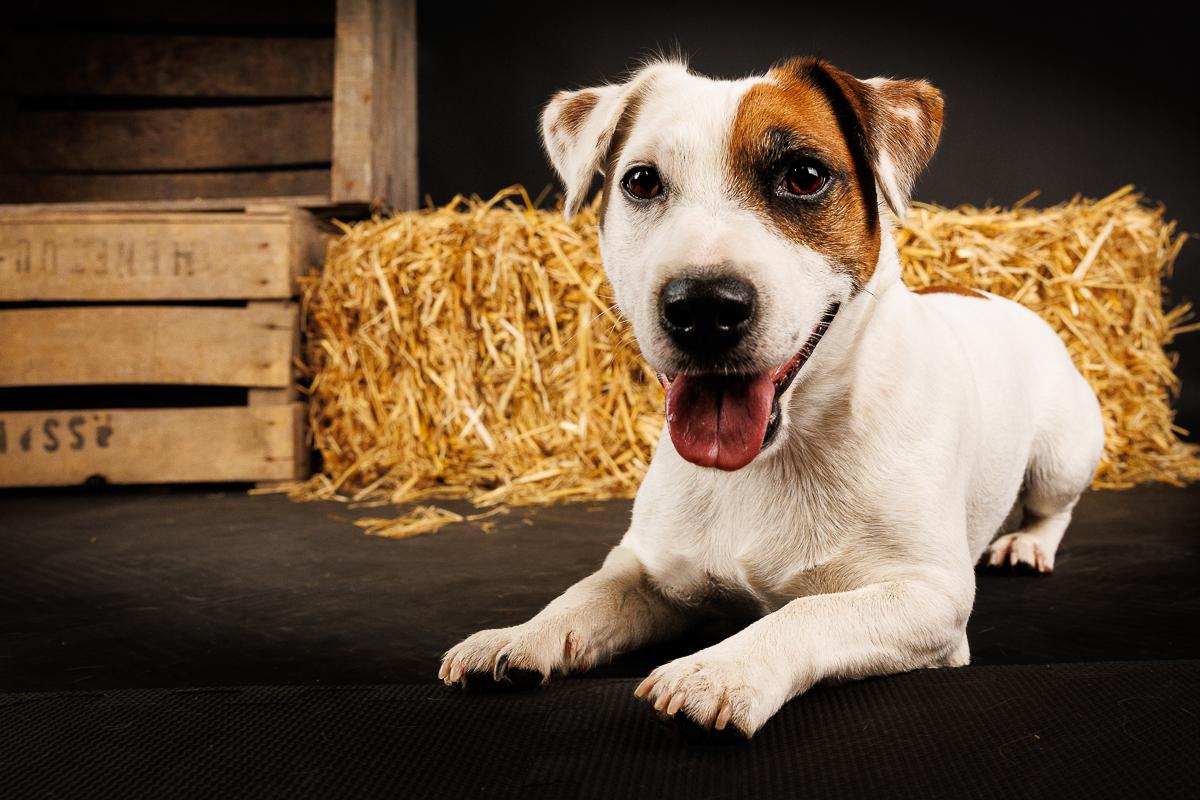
<point>577,128</point>
<point>901,121</point>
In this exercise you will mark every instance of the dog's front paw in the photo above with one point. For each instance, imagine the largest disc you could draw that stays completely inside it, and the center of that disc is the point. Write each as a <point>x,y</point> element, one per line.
<point>519,657</point>
<point>719,693</point>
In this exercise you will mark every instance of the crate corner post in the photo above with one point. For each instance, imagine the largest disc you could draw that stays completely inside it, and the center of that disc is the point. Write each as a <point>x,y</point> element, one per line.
<point>375,104</point>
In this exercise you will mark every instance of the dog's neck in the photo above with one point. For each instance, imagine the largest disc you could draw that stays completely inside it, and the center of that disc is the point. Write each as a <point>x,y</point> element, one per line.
<point>887,268</point>
<point>859,310</point>
<point>823,394</point>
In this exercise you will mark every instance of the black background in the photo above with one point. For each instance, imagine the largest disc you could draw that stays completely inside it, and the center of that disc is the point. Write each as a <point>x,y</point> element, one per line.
<point>1064,103</point>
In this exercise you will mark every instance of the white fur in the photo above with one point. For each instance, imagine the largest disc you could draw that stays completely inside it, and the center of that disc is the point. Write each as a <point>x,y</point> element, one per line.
<point>919,429</point>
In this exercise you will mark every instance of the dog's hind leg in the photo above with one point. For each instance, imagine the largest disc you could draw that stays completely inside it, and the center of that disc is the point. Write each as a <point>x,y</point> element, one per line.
<point>1060,469</point>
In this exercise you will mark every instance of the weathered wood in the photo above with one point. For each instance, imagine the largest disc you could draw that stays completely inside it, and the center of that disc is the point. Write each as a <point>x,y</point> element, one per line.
<point>148,344</point>
<point>187,190</point>
<point>268,398</point>
<point>258,396</point>
<point>61,448</point>
<point>268,14</point>
<point>315,201</point>
<point>375,103</point>
<point>167,138</point>
<point>165,256</point>
<point>271,397</point>
<point>132,65</point>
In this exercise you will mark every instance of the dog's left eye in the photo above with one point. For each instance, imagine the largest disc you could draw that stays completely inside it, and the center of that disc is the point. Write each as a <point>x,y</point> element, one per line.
<point>642,183</point>
<point>804,178</point>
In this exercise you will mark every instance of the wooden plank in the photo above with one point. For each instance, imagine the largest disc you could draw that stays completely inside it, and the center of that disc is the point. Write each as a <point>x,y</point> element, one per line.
<point>165,256</point>
<point>148,344</point>
<point>270,14</point>
<point>271,397</point>
<point>310,187</point>
<point>375,103</point>
<point>167,138</point>
<point>129,65</point>
<point>259,396</point>
<point>177,445</point>
<point>313,201</point>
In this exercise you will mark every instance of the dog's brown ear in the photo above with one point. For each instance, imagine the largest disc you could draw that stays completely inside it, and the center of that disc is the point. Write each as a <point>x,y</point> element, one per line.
<point>901,121</point>
<point>576,130</point>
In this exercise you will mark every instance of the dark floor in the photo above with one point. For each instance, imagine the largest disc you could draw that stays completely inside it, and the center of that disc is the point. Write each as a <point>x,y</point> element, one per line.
<point>178,590</point>
<point>166,589</point>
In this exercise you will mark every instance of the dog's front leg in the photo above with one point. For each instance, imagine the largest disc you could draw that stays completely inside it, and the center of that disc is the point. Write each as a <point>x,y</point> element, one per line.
<point>613,610</point>
<point>882,628</point>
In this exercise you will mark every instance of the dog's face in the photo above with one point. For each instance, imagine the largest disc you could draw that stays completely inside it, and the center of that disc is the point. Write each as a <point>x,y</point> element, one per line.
<point>737,217</point>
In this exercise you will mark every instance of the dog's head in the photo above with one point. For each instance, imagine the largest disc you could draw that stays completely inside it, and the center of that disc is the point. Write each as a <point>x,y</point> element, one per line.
<point>737,216</point>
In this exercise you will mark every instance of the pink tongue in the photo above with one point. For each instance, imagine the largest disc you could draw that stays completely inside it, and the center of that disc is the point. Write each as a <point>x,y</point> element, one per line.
<point>719,420</point>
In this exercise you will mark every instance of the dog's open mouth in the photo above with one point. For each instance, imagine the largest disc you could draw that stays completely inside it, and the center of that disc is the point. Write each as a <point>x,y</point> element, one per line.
<point>724,421</point>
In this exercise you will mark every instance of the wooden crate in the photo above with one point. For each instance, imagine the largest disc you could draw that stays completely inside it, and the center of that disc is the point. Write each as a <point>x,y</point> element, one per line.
<point>209,106</point>
<point>152,299</point>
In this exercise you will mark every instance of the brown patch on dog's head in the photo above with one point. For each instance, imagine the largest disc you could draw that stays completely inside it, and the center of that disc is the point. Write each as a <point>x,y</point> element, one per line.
<point>802,113</point>
<point>872,136</point>
<point>616,144</point>
<point>949,288</point>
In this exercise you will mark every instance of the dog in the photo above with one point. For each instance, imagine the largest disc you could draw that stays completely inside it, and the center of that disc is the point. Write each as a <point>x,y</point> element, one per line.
<point>839,451</point>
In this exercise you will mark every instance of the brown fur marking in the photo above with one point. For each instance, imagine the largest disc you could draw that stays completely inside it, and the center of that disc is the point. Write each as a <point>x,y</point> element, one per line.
<point>951,289</point>
<point>575,111</point>
<point>795,114</point>
<point>616,144</point>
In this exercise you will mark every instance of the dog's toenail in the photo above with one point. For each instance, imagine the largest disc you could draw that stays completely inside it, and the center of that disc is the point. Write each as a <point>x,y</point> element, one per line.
<point>501,670</point>
<point>723,717</point>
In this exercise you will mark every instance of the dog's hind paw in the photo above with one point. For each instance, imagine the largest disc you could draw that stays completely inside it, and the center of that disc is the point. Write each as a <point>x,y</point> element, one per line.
<point>1020,552</point>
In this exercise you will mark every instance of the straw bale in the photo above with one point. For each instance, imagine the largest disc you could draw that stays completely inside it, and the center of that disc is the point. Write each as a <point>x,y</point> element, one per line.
<point>472,351</point>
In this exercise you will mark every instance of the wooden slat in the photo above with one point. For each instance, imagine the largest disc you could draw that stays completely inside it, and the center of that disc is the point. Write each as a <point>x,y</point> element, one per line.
<point>178,445</point>
<point>148,344</point>
<point>192,190</point>
<point>314,201</point>
<point>375,103</point>
<point>269,14</point>
<point>127,65</point>
<point>167,256</point>
<point>167,138</point>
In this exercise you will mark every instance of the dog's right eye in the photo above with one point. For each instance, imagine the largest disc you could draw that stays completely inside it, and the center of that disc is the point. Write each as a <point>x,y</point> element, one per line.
<point>642,183</point>
<point>805,178</point>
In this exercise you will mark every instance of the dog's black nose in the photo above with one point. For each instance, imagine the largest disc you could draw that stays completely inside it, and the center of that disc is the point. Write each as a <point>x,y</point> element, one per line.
<point>706,316</point>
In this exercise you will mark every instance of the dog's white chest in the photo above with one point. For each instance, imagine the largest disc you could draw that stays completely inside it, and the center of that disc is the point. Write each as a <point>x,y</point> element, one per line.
<point>739,549</point>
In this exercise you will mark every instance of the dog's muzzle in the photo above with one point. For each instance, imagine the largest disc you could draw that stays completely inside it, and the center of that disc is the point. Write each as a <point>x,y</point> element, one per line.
<point>724,421</point>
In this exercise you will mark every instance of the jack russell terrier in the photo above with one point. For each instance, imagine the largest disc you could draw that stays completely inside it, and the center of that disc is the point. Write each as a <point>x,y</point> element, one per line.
<point>839,451</point>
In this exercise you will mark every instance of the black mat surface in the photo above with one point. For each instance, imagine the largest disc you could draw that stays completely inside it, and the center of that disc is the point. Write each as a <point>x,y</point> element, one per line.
<point>1102,730</point>
<point>114,607</point>
<point>200,589</point>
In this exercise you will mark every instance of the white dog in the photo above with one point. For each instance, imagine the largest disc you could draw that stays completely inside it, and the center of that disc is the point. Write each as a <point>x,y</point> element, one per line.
<point>839,451</point>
